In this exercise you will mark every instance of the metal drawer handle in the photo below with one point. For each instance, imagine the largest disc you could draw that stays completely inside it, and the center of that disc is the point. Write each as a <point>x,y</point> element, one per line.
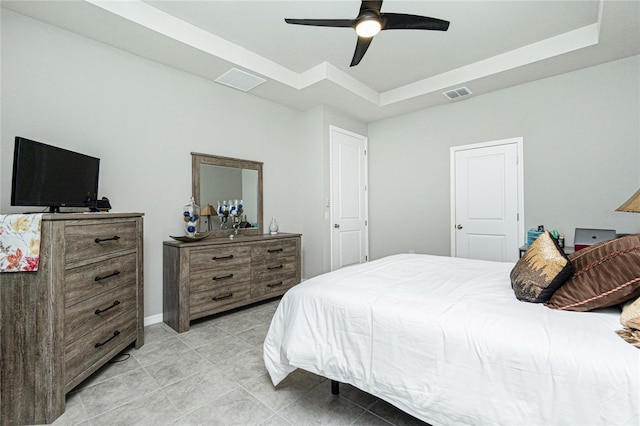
<point>224,296</point>
<point>222,257</point>
<point>278,284</point>
<point>113,274</point>
<point>274,250</point>
<point>99,311</point>
<point>224,277</point>
<point>275,267</point>
<point>114,238</point>
<point>115,334</point>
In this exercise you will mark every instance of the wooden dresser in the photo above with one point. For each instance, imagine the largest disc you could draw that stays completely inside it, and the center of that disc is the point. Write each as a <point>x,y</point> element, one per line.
<point>218,274</point>
<point>82,307</point>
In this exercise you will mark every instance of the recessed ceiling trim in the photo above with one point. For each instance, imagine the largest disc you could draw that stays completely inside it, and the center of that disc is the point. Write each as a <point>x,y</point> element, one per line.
<point>328,72</point>
<point>548,48</point>
<point>354,85</point>
<point>179,30</point>
<point>170,26</point>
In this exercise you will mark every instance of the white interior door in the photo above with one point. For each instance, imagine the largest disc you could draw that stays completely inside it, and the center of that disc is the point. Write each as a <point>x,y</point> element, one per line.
<point>349,237</point>
<point>487,200</point>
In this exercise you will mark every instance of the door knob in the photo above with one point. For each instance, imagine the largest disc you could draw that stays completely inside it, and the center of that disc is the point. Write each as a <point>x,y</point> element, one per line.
<point>459,226</point>
<point>337,225</point>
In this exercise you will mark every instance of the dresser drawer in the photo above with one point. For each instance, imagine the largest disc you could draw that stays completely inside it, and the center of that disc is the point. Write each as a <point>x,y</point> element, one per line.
<point>272,286</point>
<point>90,348</point>
<point>273,250</point>
<point>87,281</point>
<point>266,268</point>
<point>223,276</point>
<point>226,258</point>
<point>218,298</point>
<point>87,241</point>
<point>98,312</point>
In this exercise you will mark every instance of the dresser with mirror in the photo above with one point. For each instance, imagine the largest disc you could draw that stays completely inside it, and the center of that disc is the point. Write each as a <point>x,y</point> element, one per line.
<point>238,263</point>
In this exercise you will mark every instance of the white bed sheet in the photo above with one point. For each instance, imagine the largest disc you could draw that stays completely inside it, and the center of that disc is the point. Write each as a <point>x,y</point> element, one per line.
<point>445,340</point>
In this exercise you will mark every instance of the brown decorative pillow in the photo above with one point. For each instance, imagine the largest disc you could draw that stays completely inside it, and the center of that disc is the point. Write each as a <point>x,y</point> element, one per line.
<point>606,274</point>
<point>541,271</point>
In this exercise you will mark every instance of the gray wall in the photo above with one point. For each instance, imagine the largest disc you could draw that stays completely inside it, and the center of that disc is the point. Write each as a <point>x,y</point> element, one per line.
<point>581,142</point>
<point>143,120</point>
<point>581,135</point>
<point>315,128</point>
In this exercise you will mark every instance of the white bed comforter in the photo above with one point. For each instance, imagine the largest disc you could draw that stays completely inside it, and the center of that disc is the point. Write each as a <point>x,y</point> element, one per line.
<point>445,340</point>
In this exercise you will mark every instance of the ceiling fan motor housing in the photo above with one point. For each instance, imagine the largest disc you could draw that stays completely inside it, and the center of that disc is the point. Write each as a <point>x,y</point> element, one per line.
<point>368,24</point>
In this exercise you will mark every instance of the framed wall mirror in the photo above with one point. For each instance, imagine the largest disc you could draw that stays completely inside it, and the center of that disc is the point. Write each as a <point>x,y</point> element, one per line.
<point>223,183</point>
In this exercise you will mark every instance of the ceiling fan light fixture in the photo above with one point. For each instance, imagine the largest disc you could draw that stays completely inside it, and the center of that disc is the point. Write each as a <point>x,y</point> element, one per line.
<point>368,27</point>
<point>370,21</point>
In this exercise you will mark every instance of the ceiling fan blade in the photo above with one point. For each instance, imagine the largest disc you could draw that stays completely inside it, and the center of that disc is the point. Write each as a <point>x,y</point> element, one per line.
<point>402,21</point>
<point>361,49</point>
<point>370,5</point>
<point>322,22</point>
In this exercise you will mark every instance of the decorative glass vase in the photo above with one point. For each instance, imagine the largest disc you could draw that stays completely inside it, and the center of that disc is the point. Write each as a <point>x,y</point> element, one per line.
<point>273,227</point>
<point>191,217</point>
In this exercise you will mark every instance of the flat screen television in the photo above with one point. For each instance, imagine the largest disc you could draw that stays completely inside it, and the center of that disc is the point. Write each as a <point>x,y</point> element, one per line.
<point>48,176</point>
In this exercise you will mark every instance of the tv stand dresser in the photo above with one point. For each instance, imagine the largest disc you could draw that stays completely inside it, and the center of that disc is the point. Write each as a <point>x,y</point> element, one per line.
<point>218,274</point>
<point>82,307</point>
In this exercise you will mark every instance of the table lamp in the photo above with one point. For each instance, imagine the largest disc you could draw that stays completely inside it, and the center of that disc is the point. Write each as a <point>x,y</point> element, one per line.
<point>632,205</point>
<point>208,211</point>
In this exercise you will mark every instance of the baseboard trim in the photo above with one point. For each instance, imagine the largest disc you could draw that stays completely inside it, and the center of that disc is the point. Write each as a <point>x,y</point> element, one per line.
<point>153,319</point>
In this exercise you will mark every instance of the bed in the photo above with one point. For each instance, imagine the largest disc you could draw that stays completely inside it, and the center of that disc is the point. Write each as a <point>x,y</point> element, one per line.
<point>445,340</point>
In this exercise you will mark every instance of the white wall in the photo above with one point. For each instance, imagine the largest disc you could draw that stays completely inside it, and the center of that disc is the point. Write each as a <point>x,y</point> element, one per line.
<point>315,127</point>
<point>143,120</point>
<point>581,148</point>
<point>580,130</point>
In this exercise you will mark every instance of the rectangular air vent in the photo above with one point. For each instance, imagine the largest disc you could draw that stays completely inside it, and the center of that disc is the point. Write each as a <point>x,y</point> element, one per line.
<point>457,93</point>
<point>240,80</point>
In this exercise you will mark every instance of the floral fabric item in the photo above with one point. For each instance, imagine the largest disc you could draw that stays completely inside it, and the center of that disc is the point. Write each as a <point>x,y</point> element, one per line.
<point>20,242</point>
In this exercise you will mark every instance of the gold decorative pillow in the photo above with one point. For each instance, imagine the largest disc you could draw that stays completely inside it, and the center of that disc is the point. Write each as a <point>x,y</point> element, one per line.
<point>541,271</point>
<point>630,335</point>
<point>630,316</point>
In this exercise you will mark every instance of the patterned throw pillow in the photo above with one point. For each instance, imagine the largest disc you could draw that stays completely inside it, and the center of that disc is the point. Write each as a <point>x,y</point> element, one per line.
<point>541,271</point>
<point>606,274</point>
<point>630,318</point>
<point>630,335</point>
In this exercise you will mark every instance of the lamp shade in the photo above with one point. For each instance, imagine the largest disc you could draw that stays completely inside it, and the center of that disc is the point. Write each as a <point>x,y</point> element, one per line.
<point>632,204</point>
<point>208,210</point>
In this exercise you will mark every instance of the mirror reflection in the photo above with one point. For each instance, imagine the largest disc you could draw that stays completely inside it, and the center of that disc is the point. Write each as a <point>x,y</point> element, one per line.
<point>229,192</point>
<point>226,189</point>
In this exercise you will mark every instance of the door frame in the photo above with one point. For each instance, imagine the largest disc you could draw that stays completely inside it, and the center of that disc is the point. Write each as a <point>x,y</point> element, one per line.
<point>518,142</point>
<point>365,191</point>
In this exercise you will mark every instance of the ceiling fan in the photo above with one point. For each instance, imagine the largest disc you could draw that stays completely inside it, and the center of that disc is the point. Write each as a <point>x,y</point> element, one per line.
<point>370,21</point>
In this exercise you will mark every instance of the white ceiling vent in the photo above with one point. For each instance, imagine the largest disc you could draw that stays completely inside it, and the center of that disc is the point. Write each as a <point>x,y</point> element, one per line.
<point>240,80</point>
<point>460,92</point>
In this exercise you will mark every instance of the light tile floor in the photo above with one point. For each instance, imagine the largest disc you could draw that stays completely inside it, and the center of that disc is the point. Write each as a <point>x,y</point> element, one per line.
<point>214,375</point>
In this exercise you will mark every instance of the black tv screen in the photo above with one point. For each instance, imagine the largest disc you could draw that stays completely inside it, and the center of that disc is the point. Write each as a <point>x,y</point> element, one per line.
<point>45,175</point>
